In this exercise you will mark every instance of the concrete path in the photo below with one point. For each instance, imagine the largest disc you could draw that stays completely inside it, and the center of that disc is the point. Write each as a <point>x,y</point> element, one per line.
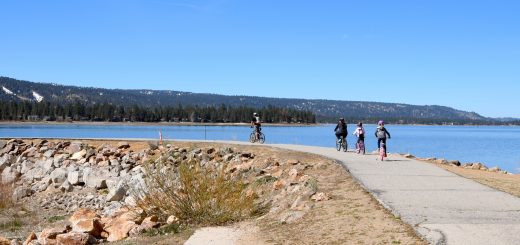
<point>443,207</point>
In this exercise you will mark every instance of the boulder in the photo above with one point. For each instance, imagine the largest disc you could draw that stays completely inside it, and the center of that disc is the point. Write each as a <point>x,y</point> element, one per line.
<point>74,178</point>
<point>79,155</point>
<point>172,219</point>
<point>409,156</point>
<point>58,176</point>
<point>477,166</point>
<point>147,224</point>
<point>119,226</point>
<point>86,221</point>
<point>49,153</point>
<point>454,163</point>
<point>6,161</point>
<point>10,175</point>
<point>117,193</point>
<point>292,162</point>
<point>123,145</point>
<point>34,174</point>
<point>48,236</point>
<point>66,187</point>
<point>96,179</point>
<point>494,169</point>
<point>441,161</point>
<point>30,238</point>
<point>4,241</point>
<point>21,192</point>
<point>320,196</point>
<point>74,238</point>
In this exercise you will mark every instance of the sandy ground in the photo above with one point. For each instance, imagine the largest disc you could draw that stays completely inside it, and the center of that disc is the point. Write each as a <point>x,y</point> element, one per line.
<point>509,183</point>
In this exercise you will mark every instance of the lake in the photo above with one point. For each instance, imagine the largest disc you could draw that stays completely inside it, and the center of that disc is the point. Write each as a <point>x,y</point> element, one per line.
<point>491,145</point>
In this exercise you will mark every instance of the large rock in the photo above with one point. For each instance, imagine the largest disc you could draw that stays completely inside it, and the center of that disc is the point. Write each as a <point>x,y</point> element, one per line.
<point>123,145</point>
<point>96,179</point>
<point>118,227</point>
<point>48,236</point>
<point>4,241</point>
<point>6,161</point>
<point>86,221</point>
<point>74,238</point>
<point>58,176</point>
<point>74,178</point>
<point>34,174</point>
<point>21,192</point>
<point>10,175</point>
<point>30,238</point>
<point>117,193</point>
<point>79,155</point>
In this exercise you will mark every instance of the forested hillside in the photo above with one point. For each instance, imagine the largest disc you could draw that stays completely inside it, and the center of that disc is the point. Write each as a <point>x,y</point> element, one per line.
<point>157,100</point>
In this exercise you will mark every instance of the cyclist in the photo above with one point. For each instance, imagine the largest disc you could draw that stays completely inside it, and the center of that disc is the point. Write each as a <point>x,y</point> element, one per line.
<point>381,134</point>
<point>360,134</point>
<point>255,121</point>
<point>341,130</point>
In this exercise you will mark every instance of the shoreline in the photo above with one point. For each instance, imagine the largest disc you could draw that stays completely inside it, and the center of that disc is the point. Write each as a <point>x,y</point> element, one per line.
<point>104,123</point>
<point>153,123</point>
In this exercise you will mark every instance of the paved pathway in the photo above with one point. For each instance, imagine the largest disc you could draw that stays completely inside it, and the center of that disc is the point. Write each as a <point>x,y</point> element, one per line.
<point>443,207</point>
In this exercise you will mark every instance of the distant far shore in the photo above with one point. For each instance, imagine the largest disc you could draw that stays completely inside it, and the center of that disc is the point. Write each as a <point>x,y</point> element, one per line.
<point>155,123</point>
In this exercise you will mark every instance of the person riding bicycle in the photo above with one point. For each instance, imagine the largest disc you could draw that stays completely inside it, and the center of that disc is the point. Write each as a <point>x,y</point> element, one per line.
<point>381,134</point>
<point>255,121</point>
<point>360,134</point>
<point>341,130</point>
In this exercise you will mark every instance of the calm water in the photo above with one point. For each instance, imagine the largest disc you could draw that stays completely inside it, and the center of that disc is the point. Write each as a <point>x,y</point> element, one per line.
<point>494,146</point>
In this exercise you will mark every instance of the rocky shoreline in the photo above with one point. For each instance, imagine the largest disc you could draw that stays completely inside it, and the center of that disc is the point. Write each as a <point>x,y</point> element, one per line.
<point>456,163</point>
<point>96,186</point>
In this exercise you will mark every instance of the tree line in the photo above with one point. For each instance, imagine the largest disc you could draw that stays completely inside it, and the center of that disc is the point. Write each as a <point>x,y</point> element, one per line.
<point>51,111</point>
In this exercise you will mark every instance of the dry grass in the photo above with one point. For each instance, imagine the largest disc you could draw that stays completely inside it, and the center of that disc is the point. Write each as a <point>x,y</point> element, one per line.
<point>6,193</point>
<point>194,193</point>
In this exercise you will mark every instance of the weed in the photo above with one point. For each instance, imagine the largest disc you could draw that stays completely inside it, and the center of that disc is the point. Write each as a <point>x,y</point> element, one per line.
<point>165,230</point>
<point>312,183</point>
<point>6,193</point>
<point>55,218</point>
<point>264,180</point>
<point>194,193</point>
<point>12,225</point>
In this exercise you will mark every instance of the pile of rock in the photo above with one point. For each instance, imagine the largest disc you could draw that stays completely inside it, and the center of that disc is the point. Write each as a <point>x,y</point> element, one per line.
<point>88,227</point>
<point>97,184</point>
<point>70,166</point>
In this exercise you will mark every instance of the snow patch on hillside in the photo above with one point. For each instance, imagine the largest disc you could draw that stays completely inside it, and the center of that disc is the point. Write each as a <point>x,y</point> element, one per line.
<point>6,90</point>
<point>37,96</point>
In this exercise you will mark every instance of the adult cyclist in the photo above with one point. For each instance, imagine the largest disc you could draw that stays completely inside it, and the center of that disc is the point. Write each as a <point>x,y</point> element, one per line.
<point>255,122</point>
<point>341,130</point>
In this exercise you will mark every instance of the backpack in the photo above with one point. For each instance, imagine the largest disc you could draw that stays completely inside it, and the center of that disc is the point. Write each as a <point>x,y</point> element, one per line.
<point>381,133</point>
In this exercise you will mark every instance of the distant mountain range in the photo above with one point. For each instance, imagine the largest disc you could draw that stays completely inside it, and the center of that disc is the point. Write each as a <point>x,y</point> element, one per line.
<point>325,110</point>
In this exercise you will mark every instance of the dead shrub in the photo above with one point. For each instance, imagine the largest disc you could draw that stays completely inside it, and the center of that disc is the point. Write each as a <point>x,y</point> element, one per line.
<point>193,192</point>
<point>6,194</point>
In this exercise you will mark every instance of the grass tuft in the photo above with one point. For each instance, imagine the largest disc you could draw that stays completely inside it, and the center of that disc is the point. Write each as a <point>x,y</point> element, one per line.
<point>6,194</point>
<point>194,193</point>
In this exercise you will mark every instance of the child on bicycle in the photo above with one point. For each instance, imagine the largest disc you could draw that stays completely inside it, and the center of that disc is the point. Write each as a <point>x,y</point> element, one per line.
<point>341,130</point>
<point>360,134</point>
<point>381,134</point>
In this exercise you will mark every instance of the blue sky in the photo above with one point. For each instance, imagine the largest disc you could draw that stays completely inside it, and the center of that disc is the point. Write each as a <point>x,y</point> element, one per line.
<point>463,54</point>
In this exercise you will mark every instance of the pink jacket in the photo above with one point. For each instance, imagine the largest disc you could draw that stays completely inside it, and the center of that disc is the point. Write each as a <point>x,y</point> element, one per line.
<point>359,131</point>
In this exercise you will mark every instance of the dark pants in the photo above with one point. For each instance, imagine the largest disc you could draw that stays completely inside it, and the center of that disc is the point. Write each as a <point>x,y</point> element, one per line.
<point>361,139</point>
<point>343,136</point>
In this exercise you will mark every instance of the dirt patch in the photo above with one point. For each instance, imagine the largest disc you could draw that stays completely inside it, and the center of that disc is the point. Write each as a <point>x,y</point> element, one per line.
<point>509,183</point>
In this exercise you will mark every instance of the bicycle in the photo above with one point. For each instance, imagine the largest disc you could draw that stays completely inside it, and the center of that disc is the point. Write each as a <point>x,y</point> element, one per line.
<point>360,147</point>
<point>253,136</point>
<point>382,151</point>
<point>341,143</point>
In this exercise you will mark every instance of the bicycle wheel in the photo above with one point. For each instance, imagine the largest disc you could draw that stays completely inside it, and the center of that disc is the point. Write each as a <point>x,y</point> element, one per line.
<point>338,145</point>
<point>261,138</point>
<point>344,143</point>
<point>252,138</point>
<point>382,152</point>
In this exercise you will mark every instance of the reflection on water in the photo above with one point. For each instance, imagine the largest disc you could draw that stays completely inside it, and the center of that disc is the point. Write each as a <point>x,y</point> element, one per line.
<point>492,145</point>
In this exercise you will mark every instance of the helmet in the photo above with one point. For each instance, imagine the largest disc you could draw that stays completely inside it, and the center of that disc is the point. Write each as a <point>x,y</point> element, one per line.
<point>342,119</point>
<point>381,122</point>
<point>359,124</point>
<point>255,114</point>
